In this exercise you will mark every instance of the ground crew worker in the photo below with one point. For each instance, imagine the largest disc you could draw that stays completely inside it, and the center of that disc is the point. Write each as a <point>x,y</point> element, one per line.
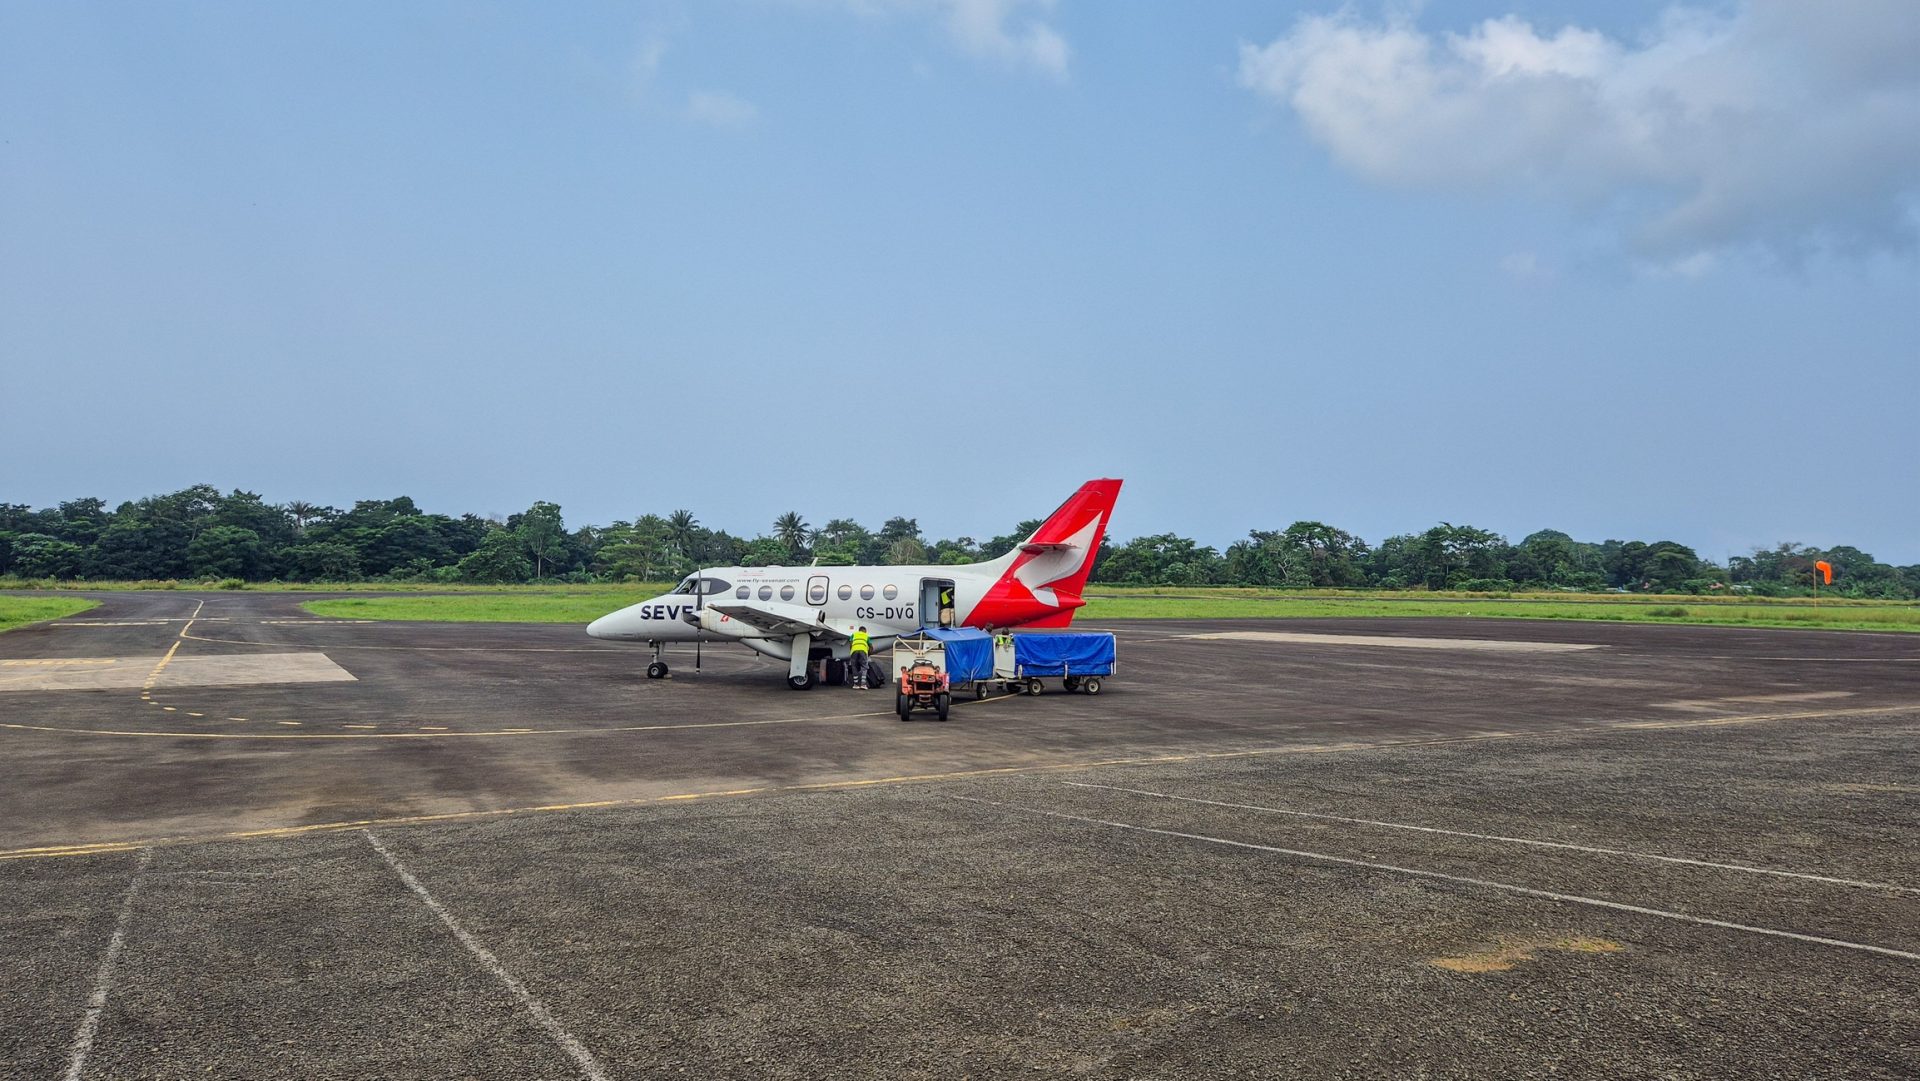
<point>857,661</point>
<point>946,606</point>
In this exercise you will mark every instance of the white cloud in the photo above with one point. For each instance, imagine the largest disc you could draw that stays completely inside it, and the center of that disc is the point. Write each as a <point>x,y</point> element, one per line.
<point>643,76</point>
<point>720,109</point>
<point>1791,125</point>
<point>1524,266</point>
<point>990,28</point>
<point>644,66</point>
<point>1011,31</point>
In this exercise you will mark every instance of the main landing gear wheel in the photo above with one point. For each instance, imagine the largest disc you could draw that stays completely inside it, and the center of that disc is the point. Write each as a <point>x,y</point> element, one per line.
<point>657,670</point>
<point>800,683</point>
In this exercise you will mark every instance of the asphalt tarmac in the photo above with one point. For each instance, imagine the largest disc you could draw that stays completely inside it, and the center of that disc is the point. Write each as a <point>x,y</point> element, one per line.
<point>240,841</point>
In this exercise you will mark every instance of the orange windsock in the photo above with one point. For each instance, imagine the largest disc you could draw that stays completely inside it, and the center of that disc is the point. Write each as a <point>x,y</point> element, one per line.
<point>1826,571</point>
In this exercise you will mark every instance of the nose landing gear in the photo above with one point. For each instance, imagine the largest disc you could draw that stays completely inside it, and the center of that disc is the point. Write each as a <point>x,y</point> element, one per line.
<point>658,669</point>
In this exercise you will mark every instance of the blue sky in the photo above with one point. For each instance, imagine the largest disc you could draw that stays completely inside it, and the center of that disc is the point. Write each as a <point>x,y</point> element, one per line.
<point>1623,269</point>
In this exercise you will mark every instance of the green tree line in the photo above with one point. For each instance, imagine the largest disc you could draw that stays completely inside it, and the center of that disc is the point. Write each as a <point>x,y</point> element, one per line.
<point>199,533</point>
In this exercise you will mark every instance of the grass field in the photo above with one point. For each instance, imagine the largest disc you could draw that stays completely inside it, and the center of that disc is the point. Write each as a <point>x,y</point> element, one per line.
<point>73,584</point>
<point>551,606</point>
<point>582,604</point>
<point>1868,616</point>
<point>15,611</point>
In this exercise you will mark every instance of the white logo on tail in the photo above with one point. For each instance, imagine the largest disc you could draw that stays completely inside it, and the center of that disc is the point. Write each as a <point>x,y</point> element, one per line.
<point>1051,566</point>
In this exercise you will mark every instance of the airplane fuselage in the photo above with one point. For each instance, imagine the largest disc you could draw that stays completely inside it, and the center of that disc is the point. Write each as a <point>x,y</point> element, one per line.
<point>800,614</point>
<point>888,601</point>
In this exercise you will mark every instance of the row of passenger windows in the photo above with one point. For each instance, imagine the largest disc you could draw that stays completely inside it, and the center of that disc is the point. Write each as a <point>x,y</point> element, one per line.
<point>817,592</point>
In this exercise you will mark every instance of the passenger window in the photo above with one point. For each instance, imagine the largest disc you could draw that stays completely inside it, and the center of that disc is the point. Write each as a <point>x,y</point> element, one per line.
<point>743,592</point>
<point>866,593</point>
<point>817,594</point>
<point>710,586</point>
<point>846,593</point>
<point>786,593</point>
<point>766,593</point>
<point>890,592</point>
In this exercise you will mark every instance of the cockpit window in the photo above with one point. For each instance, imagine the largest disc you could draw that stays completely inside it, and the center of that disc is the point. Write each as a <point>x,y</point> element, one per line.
<point>686,586</point>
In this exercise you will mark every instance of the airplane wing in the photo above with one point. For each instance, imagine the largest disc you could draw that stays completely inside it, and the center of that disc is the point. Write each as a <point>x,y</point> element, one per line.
<point>775,618</point>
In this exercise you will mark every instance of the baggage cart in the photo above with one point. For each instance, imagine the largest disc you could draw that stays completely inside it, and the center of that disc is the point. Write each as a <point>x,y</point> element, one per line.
<point>1079,659</point>
<point>929,663</point>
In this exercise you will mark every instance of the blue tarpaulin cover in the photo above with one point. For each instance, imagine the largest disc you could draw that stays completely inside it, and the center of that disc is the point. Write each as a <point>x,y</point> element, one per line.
<point>1081,653</point>
<point>969,651</point>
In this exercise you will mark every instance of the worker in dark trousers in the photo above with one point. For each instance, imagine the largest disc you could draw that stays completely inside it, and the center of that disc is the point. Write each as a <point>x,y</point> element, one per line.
<point>857,660</point>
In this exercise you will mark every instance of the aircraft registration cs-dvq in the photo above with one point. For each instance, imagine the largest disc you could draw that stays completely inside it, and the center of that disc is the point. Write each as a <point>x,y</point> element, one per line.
<point>803,614</point>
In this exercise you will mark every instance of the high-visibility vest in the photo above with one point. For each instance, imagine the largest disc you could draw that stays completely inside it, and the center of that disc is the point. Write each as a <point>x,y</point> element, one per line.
<point>861,640</point>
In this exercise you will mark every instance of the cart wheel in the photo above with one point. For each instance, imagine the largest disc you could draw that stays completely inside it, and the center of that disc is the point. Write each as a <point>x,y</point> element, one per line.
<point>1033,685</point>
<point>1071,683</point>
<point>656,670</point>
<point>979,691</point>
<point>941,703</point>
<point>1090,685</point>
<point>903,705</point>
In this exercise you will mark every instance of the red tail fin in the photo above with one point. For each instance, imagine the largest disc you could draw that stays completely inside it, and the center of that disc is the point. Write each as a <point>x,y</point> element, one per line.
<point>1044,576</point>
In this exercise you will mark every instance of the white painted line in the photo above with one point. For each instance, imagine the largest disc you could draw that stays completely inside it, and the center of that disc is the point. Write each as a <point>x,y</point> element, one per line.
<point>103,980</point>
<point>1489,645</point>
<point>571,1046</point>
<point>1715,705</point>
<point>1567,898</point>
<point>138,622</point>
<point>1744,868</point>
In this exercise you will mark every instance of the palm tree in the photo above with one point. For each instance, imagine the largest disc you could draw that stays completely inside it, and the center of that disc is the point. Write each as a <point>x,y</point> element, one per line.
<point>792,531</point>
<point>680,526</point>
<point>302,512</point>
<point>906,552</point>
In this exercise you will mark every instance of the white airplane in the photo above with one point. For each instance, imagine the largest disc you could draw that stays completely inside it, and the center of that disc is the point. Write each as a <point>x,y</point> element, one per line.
<point>804,614</point>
